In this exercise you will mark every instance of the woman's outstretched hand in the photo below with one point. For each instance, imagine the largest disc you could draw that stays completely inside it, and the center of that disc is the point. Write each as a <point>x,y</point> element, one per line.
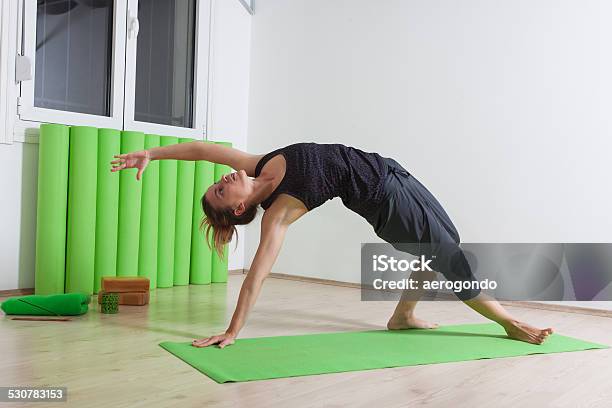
<point>222,340</point>
<point>136,160</point>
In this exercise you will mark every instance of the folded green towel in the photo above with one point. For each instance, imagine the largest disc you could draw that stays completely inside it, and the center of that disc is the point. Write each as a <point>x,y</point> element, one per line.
<point>68,304</point>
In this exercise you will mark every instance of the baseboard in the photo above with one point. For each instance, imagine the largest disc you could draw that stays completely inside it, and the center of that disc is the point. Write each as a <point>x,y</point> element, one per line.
<point>523,304</point>
<point>559,308</point>
<point>16,292</point>
<point>316,280</point>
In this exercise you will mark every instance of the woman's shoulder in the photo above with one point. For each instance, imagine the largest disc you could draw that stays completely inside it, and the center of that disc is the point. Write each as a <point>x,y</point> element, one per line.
<point>285,150</point>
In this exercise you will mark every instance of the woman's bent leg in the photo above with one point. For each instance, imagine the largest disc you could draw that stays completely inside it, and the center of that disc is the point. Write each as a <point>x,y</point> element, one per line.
<point>403,317</point>
<point>405,217</point>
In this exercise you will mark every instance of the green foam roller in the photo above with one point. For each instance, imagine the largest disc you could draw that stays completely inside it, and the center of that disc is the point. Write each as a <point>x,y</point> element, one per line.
<point>63,304</point>
<point>107,206</point>
<point>201,254</point>
<point>184,217</point>
<point>81,231</point>
<point>52,202</point>
<point>167,214</point>
<point>149,213</point>
<point>219,264</point>
<point>110,303</point>
<point>130,190</point>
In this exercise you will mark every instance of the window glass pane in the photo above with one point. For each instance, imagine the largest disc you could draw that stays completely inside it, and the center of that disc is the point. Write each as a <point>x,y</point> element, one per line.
<point>165,62</point>
<point>73,55</point>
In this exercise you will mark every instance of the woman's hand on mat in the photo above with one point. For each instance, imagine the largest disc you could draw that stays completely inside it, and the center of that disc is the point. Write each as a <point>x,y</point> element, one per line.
<point>136,160</point>
<point>222,340</point>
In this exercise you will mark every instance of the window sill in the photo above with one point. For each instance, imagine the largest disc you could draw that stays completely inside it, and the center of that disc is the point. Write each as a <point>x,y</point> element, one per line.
<point>27,132</point>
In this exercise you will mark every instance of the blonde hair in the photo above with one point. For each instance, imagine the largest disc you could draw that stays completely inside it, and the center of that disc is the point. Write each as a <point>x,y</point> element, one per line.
<point>223,223</point>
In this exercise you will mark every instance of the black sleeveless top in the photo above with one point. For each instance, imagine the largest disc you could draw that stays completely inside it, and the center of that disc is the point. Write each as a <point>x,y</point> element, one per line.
<point>317,172</point>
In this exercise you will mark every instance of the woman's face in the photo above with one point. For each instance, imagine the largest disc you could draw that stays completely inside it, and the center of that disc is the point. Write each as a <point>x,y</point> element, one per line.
<point>231,190</point>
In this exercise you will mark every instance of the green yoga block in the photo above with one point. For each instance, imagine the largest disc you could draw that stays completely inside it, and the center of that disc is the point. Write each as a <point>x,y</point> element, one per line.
<point>167,218</point>
<point>149,215</point>
<point>220,264</point>
<point>81,233</point>
<point>51,206</point>
<point>130,190</point>
<point>107,206</point>
<point>110,303</point>
<point>201,253</point>
<point>184,217</point>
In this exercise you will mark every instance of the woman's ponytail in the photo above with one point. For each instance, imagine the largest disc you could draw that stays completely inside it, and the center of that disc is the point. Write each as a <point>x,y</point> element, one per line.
<point>223,224</point>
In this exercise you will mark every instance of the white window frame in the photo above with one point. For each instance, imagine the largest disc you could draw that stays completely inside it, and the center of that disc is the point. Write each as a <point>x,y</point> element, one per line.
<point>8,48</point>
<point>29,117</point>
<point>27,110</point>
<point>200,71</point>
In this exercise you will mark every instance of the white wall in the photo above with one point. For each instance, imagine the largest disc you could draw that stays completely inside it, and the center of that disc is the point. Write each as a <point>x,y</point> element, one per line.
<point>501,108</point>
<point>227,121</point>
<point>18,169</point>
<point>229,89</point>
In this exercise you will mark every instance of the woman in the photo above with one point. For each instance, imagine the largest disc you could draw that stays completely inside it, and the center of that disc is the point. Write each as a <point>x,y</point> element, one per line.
<point>293,180</point>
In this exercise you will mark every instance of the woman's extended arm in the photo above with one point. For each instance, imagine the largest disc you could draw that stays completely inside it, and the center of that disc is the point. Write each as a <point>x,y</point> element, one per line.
<point>196,150</point>
<point>273,231</point>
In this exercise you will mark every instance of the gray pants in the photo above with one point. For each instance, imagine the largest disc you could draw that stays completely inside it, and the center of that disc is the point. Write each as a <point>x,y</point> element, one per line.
<point>412,220</point>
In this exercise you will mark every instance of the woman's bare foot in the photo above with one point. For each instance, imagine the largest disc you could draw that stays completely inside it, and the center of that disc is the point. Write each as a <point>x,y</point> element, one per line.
<point>411,322</point>
<point>524,332</point>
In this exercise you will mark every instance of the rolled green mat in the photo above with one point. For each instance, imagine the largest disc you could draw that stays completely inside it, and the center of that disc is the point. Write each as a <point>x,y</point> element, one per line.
<point>219,265</point>
<point>107,207</point>
<point>51,206</point>
<point>149,214</point>
<point>167,214</point>
<point>81,231</point>
<point>201,254</point>
<point>129,209</point>
<point>110,303</point>
<point>184,217</point>
<point>66,304</point>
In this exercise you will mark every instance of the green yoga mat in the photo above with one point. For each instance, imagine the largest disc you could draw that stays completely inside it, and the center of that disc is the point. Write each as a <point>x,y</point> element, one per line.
<point>52,202</point>
<point>290,356</point>
<point>130,190</point>
<point>65,304</point>
<point>167,220</point>
<point>81,238</point>
<point>201,254</point>
<point>149,213</point>
<point>184,216</point>
<point>107,206</point>
<point>219,264</point>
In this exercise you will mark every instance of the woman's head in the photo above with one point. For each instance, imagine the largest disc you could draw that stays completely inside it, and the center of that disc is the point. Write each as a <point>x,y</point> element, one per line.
<point>225,205</point>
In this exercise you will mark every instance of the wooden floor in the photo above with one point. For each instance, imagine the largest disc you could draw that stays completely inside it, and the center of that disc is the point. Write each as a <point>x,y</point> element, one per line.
<point>115,360</point>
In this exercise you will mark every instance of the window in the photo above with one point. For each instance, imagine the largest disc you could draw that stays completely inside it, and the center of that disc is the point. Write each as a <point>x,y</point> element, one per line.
<point>164,62</point>
<point>73,56</point>
<point>167,88</point>
<point>133,65</point>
